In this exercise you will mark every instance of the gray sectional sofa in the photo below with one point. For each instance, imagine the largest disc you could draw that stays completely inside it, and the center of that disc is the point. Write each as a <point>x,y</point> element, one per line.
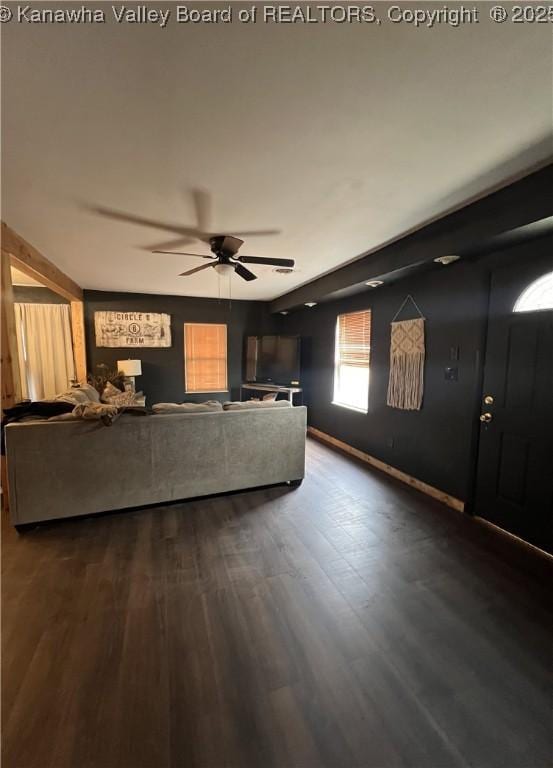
<point>69,468</point>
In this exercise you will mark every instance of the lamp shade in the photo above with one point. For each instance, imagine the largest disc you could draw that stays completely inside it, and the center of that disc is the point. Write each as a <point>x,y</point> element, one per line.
<point>130,367</point>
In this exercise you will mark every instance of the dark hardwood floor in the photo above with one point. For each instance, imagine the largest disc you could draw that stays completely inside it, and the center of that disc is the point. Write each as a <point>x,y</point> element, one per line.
<point>347,624</point>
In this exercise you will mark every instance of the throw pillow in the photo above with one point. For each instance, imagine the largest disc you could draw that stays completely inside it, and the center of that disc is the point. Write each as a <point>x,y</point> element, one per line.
<point>109,392</point>
<point>84,393</point>
<point>122,399</point>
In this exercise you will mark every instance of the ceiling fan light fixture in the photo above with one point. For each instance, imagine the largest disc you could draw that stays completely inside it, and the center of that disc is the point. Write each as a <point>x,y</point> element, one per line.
<point>445,260</point>
<point>224,269</point>
<point>310,304</point>
<point>374,283</point>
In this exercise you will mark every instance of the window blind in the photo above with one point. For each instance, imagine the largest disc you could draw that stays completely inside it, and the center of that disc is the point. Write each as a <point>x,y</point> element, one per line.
<point>205,357</point>
<point>354,339</point>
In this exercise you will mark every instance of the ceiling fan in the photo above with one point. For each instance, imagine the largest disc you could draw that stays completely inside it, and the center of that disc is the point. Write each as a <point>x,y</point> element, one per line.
<point>223,247</point>
<point>225,260</point>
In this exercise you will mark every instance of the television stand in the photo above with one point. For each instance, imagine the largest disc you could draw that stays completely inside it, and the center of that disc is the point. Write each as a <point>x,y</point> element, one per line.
<point>289,391</point>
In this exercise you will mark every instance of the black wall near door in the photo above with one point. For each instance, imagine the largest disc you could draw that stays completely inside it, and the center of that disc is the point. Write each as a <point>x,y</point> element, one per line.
<point>162,377</point>
<point>436,444</point>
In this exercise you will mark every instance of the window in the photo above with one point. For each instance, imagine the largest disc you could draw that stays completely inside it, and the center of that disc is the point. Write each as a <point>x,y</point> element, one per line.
<point>538,295</point>
<point>205,357</point>
<point>351,366</point>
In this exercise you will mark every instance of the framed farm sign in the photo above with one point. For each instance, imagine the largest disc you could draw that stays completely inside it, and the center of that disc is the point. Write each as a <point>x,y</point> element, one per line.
<point>132,329</point>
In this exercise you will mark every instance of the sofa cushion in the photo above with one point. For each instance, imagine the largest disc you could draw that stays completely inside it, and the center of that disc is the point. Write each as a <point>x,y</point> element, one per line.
<point>250,404</point>
<point>207,407</point>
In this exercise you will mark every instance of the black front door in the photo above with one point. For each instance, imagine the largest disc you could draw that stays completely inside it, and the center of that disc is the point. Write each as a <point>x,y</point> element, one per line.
<point>514,487</point>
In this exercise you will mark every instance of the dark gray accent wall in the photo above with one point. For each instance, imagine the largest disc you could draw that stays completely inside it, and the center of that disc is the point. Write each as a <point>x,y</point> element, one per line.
<point>163,369</point>
<point>436,444</point>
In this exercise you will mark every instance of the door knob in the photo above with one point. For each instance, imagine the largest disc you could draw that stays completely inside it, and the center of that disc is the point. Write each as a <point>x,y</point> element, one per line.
<point>485,418</point>
<point>488,400</point>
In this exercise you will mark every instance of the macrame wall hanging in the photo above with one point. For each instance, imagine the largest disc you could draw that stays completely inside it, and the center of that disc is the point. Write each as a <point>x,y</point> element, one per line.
<point>406,383</point>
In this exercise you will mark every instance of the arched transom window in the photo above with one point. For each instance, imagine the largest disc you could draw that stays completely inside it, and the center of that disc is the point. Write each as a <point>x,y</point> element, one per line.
<point>538,295</point>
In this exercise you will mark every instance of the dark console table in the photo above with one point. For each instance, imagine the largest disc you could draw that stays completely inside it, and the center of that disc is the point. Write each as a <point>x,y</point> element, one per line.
<point>288,391</point>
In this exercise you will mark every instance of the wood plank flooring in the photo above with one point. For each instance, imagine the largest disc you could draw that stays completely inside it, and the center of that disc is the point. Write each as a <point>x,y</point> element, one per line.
<point>351,623</point>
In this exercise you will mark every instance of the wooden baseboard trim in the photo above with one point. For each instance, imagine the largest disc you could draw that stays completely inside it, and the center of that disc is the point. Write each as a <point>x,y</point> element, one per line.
<point>514,541</point>
<point>403,477</point>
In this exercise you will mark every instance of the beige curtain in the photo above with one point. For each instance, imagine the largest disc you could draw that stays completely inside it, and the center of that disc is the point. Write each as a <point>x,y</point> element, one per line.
<point>45,349</point>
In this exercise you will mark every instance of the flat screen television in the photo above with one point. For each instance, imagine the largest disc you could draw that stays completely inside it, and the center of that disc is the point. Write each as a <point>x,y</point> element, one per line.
<point>273,360</point>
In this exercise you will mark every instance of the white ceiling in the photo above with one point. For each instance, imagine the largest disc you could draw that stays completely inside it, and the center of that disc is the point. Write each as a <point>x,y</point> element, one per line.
<point>341,136</point>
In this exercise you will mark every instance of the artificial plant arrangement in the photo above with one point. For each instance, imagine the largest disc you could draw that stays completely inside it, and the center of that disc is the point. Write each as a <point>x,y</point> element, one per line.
<point>104,375</point>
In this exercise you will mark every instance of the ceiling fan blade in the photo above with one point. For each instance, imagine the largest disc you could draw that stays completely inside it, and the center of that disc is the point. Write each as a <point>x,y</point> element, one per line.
<point>264,260</point>
<point>202,204</point>
<point>196,269</point>
<point>258,232</point>
<point>184,253</point>
<point>244,273</point>
<point>168,244</point>
<point>132,219</point>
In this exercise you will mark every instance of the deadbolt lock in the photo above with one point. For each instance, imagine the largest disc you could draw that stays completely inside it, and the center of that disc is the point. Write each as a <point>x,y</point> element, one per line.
<point>488,400</point>
<point>485,418</point>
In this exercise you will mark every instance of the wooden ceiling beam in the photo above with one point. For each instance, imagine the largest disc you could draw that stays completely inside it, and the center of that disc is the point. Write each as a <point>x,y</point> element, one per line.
<point>32,263</point>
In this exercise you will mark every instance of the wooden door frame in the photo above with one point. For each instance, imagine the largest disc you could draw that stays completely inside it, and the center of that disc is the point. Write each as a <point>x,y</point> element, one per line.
<point>11,380</point>
<point>480,363</point>
<point>20,254</point>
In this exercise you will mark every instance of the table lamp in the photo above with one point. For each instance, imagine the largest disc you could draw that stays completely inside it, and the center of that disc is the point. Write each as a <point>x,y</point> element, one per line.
<point>130,368</point>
